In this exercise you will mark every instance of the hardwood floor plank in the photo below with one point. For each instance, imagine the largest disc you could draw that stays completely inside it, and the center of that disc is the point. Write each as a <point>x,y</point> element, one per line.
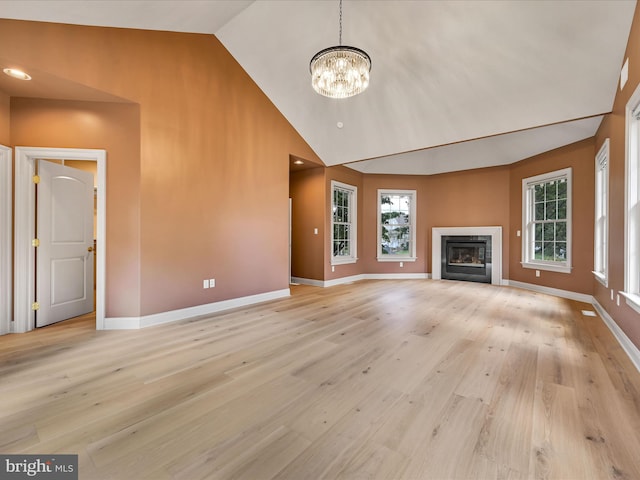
<point>608,423</point>
<point>447,452</point>
<point>333,450</point>
<point>559,448</point>
<point>506,434</point>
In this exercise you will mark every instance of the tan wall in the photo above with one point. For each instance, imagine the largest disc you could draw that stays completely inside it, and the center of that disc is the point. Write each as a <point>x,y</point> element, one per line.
<point>613,127</point>
<point>580,157</point>
<point>308,200</point>
<point>472,198</point>
<point>369,250</point>
<point>114,127</point>
<point>213,164</point>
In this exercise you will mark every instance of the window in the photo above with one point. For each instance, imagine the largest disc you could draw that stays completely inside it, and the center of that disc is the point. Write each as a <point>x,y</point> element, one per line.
<point>396,225</point>
<point>632,204</point>
<point>546,204</point>
<point>343,223</point>
<point>601,230</point>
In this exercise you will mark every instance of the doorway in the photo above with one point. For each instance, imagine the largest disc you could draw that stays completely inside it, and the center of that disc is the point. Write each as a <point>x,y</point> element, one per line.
<point>25,208</point>
<point>65,232</point>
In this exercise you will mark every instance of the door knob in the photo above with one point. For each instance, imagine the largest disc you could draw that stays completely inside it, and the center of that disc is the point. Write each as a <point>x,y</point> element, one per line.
<point>90,249</point>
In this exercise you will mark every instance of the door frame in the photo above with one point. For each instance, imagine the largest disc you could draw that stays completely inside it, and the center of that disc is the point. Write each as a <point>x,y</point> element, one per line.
<point>6,200</point>
<point>25,211</point>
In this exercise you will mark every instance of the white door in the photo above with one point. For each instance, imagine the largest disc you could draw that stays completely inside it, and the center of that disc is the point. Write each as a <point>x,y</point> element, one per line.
<point>64,225</point>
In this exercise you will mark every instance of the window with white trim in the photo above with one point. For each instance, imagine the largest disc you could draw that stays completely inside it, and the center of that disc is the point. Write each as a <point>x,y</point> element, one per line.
<point>601,223</point>
<point>344,209</point>
<point>396,225</point>
<point>546,217</point>
<point>632,204</point>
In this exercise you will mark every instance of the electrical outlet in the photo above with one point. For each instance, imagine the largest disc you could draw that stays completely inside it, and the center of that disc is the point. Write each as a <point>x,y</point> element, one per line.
<point>212,282</point>
<point>205,284</point>
<point>401,264</point>
<point>537,273</point>
<point>612,294</point>
<point>618,299</point>
<point>518,233</point>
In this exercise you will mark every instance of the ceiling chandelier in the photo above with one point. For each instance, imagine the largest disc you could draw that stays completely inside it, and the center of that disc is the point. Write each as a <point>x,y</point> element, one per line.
<point>340,71</point>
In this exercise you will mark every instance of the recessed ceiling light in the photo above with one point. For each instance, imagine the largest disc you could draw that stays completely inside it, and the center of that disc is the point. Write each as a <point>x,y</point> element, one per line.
<point>298,162</point>
<point>15,73</point>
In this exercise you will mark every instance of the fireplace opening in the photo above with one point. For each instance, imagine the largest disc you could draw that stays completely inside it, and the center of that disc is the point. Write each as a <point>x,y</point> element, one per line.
<point>467,258</point>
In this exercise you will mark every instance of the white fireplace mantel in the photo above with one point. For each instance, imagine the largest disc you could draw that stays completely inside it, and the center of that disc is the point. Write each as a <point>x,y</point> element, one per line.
<point>496,248</point>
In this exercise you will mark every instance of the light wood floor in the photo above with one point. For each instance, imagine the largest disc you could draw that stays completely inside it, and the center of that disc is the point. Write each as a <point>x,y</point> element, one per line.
<point>379,379</point>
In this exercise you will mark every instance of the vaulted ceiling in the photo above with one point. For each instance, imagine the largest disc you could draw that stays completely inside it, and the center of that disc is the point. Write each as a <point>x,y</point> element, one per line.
<point>454,84</point>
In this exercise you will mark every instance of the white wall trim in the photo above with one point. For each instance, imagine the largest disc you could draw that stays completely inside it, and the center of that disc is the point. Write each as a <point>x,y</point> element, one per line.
<point>627,345</point>
<point>6,203</point>
<point>134,323</point>
<point>578,297</point>
<point>364,276</point>
<point>353,221</point>
<point>496,248</point>
<point>24,261</point>
<point>308,281</point>
<point>122,323</point>
<point>397,276</point>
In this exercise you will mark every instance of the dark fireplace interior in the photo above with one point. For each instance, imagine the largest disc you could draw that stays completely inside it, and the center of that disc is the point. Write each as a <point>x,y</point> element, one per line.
<point>466,257</point>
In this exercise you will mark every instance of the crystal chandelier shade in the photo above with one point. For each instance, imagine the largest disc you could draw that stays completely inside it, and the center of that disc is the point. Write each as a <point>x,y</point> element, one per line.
<point>340,71</point>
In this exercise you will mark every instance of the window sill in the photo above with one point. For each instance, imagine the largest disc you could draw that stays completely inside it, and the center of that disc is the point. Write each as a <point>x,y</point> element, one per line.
<point>632,299</point>
<point>397,259</point>
<point>547,267</point>
<point>601,278</point>
<point>343,261</point>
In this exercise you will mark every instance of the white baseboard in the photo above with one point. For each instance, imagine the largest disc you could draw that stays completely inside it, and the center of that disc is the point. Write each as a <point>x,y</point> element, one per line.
<point>363,276</point>
<point>627,345</point>
<point>343,280</point>
<point>578,297</point>
<point>397,276</point>
<point>134,323</point>
<point>121,323</point>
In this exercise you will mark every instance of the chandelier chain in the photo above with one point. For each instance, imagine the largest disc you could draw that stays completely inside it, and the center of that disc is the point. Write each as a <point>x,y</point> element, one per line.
<point>340,37</point>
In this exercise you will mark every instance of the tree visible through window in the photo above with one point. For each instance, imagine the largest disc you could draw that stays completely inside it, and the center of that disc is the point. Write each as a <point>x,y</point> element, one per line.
<point>396,227</point>
<point>547,227</point>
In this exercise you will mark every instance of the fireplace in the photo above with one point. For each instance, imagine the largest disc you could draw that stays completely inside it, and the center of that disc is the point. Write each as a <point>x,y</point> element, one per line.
<point>466,257</point>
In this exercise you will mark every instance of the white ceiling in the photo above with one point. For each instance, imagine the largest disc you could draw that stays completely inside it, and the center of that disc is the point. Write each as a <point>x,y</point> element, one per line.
<point>454,84</point>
